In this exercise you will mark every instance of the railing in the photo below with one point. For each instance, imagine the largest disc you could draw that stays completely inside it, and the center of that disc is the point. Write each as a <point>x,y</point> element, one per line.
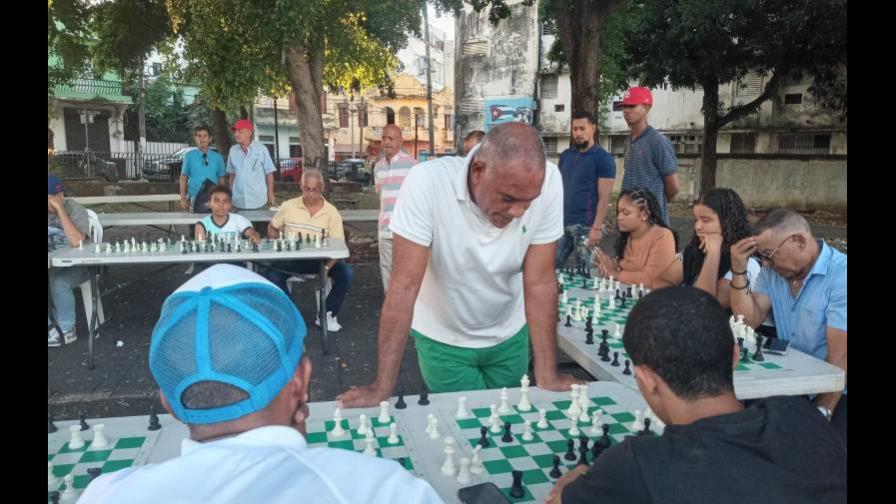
<point>114,166</point>
<point>91,86</point>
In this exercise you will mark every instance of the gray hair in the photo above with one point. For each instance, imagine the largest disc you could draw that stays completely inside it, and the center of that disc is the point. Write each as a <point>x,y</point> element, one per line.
<point>511,143</point>
<point>782,220</point>
<point>314,172</point>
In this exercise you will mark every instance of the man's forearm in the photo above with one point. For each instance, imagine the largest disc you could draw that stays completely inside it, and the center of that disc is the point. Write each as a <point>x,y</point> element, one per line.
<point>183,186</point>
<point>742,302</point>
<point>270,182</point>
<point>395,326</point>
<point>541,314</point>
<point>72,232</point>
<point>832,398</point>
<point>602,205</point>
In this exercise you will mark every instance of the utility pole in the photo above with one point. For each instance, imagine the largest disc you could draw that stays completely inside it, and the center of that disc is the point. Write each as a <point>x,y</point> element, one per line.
<point>432,142</point>
<point>362,119</point>
<point>416,126</point>
<point>276,137</point>
<point>141,121</point>
<point>351,128</point>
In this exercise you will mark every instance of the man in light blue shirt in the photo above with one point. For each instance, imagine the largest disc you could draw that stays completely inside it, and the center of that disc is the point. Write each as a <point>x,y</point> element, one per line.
<point>251,170</point>
<point>200,165</point>
<point>803,282</point>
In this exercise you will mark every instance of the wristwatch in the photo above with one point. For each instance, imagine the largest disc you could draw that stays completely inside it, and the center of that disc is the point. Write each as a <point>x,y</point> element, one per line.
<point>824,410</point>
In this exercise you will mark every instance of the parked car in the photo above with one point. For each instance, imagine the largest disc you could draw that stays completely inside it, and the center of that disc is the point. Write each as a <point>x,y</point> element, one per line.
<point>350,170</point>
<point>168,168</point>
<point>290,170</point>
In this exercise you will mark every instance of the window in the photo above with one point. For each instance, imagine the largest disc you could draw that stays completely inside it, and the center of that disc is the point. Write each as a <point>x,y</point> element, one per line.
<point>294,140</point>
<point>749,87</point>
<point>549,86</point>
<point>323,102</point>
<point>420,117</point>
<point>559,108</point>
<point>449,118</point>
<point>687,144</point>
<point>550,145</point>
<point>266,138</point>
<point>617,144</point>
<point>157,69</point>
<point>472,47</point>
<point>549,27</point>
<point>362,116</point>
<point>390,115</point>
<point>343,115</point>
<point>404,117</point>
<point>743,143</point>
<point>793,98</point>
<point>804,143</point>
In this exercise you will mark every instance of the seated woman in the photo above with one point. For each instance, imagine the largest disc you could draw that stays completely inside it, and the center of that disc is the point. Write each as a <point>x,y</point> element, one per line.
<point>720,221</point>
<point>645,249</point>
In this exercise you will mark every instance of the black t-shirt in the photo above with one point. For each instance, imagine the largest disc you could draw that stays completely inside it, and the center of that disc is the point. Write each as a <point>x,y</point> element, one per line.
<point>779,450</point>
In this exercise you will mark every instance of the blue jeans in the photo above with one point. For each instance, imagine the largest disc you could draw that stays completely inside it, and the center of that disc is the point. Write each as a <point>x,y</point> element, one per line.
<point>340,273</point>
<point>571,242</point>
<point>62,281</point>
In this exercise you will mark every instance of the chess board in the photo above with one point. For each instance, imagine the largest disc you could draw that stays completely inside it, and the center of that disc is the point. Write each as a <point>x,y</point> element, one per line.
<point>319,433</point>
<point>126,448</point>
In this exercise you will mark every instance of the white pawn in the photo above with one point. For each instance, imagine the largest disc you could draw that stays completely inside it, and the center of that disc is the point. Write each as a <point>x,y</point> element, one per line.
<point>362,425</point>
<point>617,333</point>
<point>152,247</point>
<point>434,431</point>
<point>429,418</point>
<point>77,442</point>
<point>117,247</point>
<point>384,417</point>
<point>52,480</point>
<point>542,419</point>
<point>145,248</point>
<point>393,433</point>
<point>527,431</point>
<point>504,408</point>
<point>448,467</point>
<point>337,431</point>
<point>69,492</point>
<point>493,419</point>
<point>316,241</point>
<point>80,244</point>
<point>476,466</point>
<point>462,411</point>
<point>463,476</point>
<point>574,428</point>
<point>108,248</point>
<point>563,298</point>
<point>638,424</point>
<point>596,422</point>
<point>368,441</point>
<point>495,425</point>
<point>99,437</point>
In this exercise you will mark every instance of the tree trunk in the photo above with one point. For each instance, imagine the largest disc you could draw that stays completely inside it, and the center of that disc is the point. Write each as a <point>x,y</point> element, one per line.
<point>221,132</point>
<point>244,114</point>
<point>304,67</point>
<point>710,135</point>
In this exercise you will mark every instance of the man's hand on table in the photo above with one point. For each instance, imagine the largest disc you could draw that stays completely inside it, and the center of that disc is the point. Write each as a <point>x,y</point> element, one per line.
<point>364,397</point>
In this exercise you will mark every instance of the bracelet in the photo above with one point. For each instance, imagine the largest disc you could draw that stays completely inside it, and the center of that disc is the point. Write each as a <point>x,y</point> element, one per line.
<point>744,272</point>
<point>740,288</point>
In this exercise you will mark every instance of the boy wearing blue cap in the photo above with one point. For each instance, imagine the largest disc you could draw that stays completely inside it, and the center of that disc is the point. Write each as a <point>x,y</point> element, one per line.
<point>227,355</point>
<point>67,225</point>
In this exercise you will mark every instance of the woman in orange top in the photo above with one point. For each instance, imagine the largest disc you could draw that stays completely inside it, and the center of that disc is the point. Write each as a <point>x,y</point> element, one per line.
<point>645,249</point>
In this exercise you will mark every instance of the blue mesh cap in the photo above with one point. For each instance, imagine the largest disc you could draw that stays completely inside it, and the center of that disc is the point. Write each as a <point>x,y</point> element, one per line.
<point>229,325</point>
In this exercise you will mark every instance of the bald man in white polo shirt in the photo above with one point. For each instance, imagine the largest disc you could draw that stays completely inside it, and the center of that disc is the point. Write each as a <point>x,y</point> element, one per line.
<point>473,268</point>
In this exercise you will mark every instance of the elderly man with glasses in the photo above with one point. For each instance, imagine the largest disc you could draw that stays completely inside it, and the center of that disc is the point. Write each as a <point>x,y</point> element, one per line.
<point>311,213</point>
<point>803,280</point>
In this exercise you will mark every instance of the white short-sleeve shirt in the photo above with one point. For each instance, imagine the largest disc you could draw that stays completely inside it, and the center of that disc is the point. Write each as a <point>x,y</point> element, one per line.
<point>472,291</point>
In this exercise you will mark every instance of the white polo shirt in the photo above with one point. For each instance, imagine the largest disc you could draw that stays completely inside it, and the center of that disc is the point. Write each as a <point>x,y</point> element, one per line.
<point>271,464</point>
<point>472,291</point>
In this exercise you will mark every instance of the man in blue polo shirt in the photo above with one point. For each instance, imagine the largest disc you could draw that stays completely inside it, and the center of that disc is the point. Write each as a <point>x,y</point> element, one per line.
<point>588,173</point>
<point>200,165</point>
<point>251,170</point>
<point>804,283</point>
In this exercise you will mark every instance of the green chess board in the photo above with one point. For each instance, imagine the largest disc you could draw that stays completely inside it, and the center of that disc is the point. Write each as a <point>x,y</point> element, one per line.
<point>320,434</point>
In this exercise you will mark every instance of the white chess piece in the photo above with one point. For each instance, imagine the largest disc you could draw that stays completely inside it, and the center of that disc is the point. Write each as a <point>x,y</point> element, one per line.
<point>524,404</point>
<point>369,440</point>
<point>145,248</point>
<point>434,432</point>
<point>638,424</point>
<point>99,437</point>
<point>108,248</point>
<point>462,411</point>
<point>80,244</point>
<point>97,249</point>
<point>504,408</point>
<point>542,419</point>
<point>573,411</point>
<point>384,417</point>
<point>52,480</point>
<point>574,428</point>
<point>69,492</point>
<point>476,466</point>
<point>463,475</point>
<point>448,467</point>
<point>563,298</point>
<point>617,333</point>
<point>362,425</point>
<point>117,247</point>
<point>527,431</point>
<point>393,433</point>
<point>596,422</point>
<point>493,418</point>
<point>337,431</point>
<point>495,425</point>
<point>76,442</point>
<point>429,418</point>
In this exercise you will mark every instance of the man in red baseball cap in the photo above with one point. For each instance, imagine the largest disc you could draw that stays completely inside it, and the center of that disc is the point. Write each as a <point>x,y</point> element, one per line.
<point>251,170</point>
<point>650,159</point>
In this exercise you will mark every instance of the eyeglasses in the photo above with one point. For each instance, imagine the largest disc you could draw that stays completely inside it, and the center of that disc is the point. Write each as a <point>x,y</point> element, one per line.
<point>205,158</point>
<point>317,190</point>
<point>770,257</point>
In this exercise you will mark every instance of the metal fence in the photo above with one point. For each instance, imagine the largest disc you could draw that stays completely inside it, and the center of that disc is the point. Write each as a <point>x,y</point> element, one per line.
<point>115,166</point>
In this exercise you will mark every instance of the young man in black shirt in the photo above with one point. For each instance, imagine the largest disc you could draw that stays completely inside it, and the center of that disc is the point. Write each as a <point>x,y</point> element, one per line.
<point>713,450</point>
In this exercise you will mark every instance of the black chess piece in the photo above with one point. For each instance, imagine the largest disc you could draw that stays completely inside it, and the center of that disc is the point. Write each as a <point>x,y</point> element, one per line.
<point>757,355</point>
<point>401,461</point>
<point>507,437</point>
<point>483,437</point>
<point>84,425</point>
<point>568,322</point>
<point>54,497</point>
<point>516,490</point>
<point>623,303</point>
<point>51,427</point>
<point>570,450</point>
<point>604,334</point>
<point>627,371</point>
<point>154,421</point>
<point>588,326</point>
<point>94,473</point>
<point>605,439</point>
<point>596,450</point>
<point>555,471</point>
<point>583,456</point>
<point>254,247</point>
<point>615,362</point>
<point>605,348</point>
<point>400,404</point>
<point>424,398</point>
<point>646,431</point>
<point>589,337</point>
<point>583,442</point>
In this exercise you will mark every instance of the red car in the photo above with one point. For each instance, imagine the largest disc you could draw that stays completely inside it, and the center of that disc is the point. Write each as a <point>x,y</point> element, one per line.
<point>290,170</point>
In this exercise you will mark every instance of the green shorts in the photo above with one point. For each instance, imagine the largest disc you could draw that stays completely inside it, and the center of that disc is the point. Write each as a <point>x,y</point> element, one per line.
<point>449,368</point>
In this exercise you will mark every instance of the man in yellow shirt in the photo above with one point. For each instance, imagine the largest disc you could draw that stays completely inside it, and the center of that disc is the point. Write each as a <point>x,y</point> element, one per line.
<point>311,213</point>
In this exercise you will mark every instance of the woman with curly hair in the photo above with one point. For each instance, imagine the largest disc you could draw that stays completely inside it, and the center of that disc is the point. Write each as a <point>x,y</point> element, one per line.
<point>645,249</point>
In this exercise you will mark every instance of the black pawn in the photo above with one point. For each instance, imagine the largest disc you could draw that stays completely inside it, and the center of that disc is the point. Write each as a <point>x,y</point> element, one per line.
<point>596,450</point>
<point>627,371</point>
<point>84,425</point>
<point>583,456</point>
<point>589,337</point>
<point>615,359</point>
<point>605,439</point>
<point>555,472</point>
<point>745,353</point>
<point>588,326</point>
<point>254,247</point>
<point>154,421</point>
<point>54,497</point>
<point>646,431</point>
<point>583,442</point>
<point>516,490</point>
<point>757,355</point>
<point>401,404</point>
<point>622,303</point>
<point>568,322</point>
<point>604,334</point>
<point>424,398</point>
<point>604,351</point>
<point>507,437</point>
<point>51,427</point>
<point>483,437</point>
<point>94,473</point>
<point>570,450</point>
